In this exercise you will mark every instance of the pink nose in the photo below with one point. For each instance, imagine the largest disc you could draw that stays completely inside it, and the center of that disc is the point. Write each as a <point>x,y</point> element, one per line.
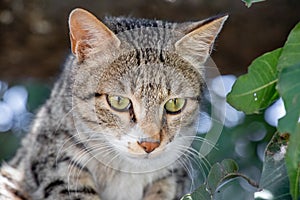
<point>149,146</point>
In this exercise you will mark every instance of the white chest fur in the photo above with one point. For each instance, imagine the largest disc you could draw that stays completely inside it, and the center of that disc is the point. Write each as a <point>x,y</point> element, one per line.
<point>123,186</point>
<point>126,186</point>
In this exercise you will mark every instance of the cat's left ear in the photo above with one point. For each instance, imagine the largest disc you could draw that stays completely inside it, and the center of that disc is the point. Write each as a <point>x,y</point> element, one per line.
<point>199,38</point>
<point>88,34</point>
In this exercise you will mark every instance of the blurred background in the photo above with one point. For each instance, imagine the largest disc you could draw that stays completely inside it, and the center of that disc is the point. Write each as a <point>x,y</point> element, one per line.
<point>34,44</point>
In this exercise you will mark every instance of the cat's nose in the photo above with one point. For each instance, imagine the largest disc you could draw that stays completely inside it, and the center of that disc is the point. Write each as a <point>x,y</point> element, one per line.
<point>149,146</point>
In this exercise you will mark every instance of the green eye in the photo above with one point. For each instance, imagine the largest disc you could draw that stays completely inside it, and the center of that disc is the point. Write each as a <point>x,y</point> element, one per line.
<point>118,103</point>
<point>174,106</point>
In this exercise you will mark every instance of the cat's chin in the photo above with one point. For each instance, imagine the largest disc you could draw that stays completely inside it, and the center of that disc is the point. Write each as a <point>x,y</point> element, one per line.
<point>148,163</point>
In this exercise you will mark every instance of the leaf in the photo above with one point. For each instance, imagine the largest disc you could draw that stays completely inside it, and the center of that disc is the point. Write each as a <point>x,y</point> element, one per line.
<point>220,174</point>
<point>274,180</point>
<point>291,51</point>
<point>250,2</point>
<point>289,85</point>
<point>256,90</point>
<point>289,89</point>
<point>292,161</point>
<point>200,194</point>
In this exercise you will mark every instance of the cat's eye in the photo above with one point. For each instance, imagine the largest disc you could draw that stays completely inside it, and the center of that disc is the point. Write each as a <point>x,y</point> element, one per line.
<point>175,106</point>
<point>118,103</point>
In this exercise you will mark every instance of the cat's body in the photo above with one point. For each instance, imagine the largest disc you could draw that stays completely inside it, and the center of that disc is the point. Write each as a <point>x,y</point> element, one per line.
<point>121,117</point>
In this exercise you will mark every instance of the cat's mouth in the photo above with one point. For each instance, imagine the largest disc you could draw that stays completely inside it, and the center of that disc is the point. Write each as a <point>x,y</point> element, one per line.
<point>142,159</point>
<point>151,155</point>
<point>141,154</point>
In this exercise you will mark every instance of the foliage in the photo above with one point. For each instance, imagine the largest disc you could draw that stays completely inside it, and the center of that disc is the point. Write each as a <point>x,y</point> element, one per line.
<point>250,2</point>
<point>289,89</point>
<point>272,75</point>
<point>250,91</point>
<point>219,174</point>
<point>274,180</point>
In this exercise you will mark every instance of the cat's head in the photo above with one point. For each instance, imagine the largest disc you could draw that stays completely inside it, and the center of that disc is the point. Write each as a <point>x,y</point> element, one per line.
<point>137,88</point>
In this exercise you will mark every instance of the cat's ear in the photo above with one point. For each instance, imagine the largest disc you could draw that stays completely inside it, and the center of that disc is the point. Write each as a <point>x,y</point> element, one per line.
<point>87,32</point>
<point>199,38</point>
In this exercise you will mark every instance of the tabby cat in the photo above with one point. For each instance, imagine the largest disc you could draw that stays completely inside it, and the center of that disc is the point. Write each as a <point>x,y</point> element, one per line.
<point>121,117</point>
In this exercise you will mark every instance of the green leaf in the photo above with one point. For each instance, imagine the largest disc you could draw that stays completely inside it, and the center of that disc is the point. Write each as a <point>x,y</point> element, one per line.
<point>292,160</point>
<point>200,194</point>
<point>219,174</point>
<point>291,51</point>
<point>250,2</point>
<point>256,90</point>
<point>274,180</point>
<point>289,89</point>
<point>289,85</point>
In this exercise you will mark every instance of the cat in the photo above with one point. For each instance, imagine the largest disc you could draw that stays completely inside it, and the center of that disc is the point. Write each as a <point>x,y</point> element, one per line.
<point>120,119</point>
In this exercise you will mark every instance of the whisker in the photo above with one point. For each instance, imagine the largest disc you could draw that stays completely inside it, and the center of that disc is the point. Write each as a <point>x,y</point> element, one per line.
<point>80,159</point>
<point>73,144</point>
<point>200,139</point>
<point>96,147</point>
<point>193,156</point>
<point>61,120</point>
<point>76,143</point>
<point>189,172</point>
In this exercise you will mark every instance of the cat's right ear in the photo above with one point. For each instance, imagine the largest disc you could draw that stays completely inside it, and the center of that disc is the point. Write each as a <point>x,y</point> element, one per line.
<point>88,34</point>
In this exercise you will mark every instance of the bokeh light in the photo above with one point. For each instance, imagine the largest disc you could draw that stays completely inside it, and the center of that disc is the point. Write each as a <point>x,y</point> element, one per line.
<point>14,115</point>
<point>243,148</point>
<point>205,123</point>
<point>256,131</point>
<point>220,87</point>
<point>6,117</point>
<point>16,98</point>
<point>275,112</point>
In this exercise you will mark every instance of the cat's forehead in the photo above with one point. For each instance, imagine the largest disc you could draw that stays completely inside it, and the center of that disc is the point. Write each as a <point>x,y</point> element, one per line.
<point>158,76</point>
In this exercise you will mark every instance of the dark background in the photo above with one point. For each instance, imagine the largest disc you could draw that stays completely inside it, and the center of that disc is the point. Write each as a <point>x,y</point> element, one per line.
<point>34,36</point>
